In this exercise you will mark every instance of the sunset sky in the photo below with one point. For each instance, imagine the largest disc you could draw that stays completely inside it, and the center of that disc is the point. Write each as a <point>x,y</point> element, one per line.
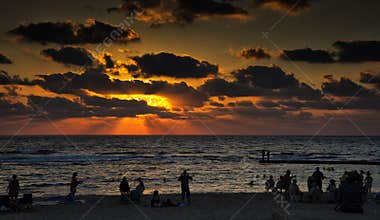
<point>242,67</point>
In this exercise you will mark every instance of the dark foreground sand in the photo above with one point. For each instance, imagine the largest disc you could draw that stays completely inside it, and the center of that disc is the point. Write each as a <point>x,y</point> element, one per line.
<point>204,206</point>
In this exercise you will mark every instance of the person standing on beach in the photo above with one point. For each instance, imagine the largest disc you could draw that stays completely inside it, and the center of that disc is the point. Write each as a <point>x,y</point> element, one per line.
<point>287,179</point>
<point>368,183</point>
<point>124,189</point>
<point>73,186</point>
<point>269,184</point>
<point>318,177</point>
<point>185,189</point>
<point>13,188</point>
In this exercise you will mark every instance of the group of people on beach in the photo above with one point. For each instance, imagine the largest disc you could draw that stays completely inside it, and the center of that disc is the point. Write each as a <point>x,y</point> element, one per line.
<point>135,195</point>
<point>126,193</point>
<point>351,193</point>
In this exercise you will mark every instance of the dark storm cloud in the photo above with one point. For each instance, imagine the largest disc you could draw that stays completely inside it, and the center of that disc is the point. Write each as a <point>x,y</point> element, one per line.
<point>370,78</point>
<point>70,55</point>
<point>357,51</point>
<point>4,59</point>
<point>291,6</point>
<point>221,87</point>
<point>255,53</point>
<point>72,33</point>
<point>261,81</point>
<point>247,109</point>
<point>109,62</point>
<point>265,77</point>
<point>344,52</point>
<point>307,55</point>
<point>216,104</point>
<point>95,80</point>
<point>267,104</point>
<point>244,103</point>
<point>6,79</point>
<point>351,103</point>
<point>61,108</point>
<point>346,88</point>
<point>159,12</point>
<point>301,91</point>
<point>9,108</point>
<point>167,64</point>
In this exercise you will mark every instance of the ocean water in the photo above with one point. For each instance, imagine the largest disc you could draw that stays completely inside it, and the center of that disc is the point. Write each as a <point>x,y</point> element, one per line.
<point>44,164</point>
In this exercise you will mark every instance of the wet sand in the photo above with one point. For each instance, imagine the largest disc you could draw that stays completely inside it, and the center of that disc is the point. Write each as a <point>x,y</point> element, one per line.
<point>204,206</point>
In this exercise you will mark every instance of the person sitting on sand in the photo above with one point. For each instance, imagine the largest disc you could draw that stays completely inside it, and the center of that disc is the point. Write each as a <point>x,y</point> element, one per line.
<point>294,192</point>
<point>350,194</point>
<point>13,188</point>
<point>140,187</point>
<point>156,201</point>
<point>185,188</point>
<point>138,192</point>
<point>368,183</point>
<point>377,198</point>
<point>332,192</point>
<point>269,184</point>
<point>314,191</point>
<point>73,186</point>
<point>318,177</point>
<point>124,189</point>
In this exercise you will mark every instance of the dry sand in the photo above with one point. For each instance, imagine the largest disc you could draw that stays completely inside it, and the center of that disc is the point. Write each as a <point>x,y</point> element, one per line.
<point>204,206</point>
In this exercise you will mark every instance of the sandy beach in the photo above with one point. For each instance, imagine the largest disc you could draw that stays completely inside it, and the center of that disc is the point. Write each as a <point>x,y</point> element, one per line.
<point>204,206</point>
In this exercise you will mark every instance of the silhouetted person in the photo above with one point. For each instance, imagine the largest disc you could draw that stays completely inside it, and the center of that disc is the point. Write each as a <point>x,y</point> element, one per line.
<point>314,191</point>
<point>287,180</point>
<point>263,155</point>
<point>268,155</point>
<point>185,189</point>
<point>13,188</point>
<point>294,192</point>
<point>138,191</point>
<point>318,177</point>
<point>362,175</point>
<point>280,184</point>
<point>155,202</point>
<point>140,187</point>
<point>73,186</point>
<point>124,188</point>
<point>368,182</point>
<point>269,184</point>
<point>332,192</point>
<point>350,194</point>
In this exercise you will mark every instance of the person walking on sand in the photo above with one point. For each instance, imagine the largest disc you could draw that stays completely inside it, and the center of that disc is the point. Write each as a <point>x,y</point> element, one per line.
<point>13,188</point>
<point>185,189</point>
<point>73,186</point>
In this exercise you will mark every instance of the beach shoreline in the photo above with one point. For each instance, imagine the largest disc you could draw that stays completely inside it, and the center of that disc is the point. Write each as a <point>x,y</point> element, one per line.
<point>203,206</point>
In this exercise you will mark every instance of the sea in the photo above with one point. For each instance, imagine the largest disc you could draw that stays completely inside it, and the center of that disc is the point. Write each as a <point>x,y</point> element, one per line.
<point>44,164</point>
